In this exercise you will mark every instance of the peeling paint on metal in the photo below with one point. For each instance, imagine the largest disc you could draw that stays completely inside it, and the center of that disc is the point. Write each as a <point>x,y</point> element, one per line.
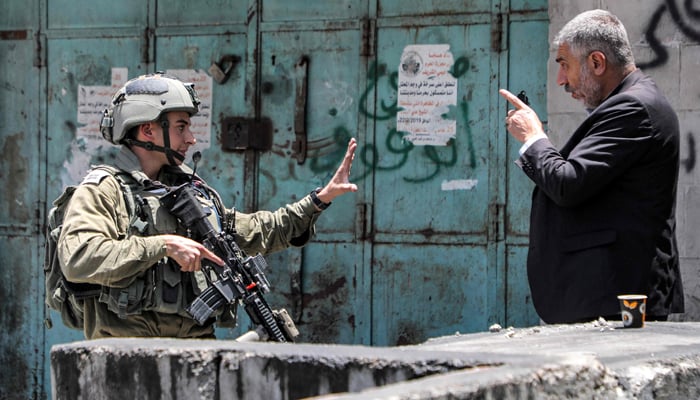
<point>92,101</point>
<point>459,184</point>
<point>339,98</point>
<point>14,177</point>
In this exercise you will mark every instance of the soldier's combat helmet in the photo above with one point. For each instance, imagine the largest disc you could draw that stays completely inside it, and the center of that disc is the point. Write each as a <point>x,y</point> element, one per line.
<point>147,98</point>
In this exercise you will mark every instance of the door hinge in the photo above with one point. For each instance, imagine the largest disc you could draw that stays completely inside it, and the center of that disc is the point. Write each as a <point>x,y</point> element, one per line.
<point>300,101</point>
<point>497,33</point>
<point>363,227</point>
<point>369,37</point>
<point>146,54</point>
<point>39,60</point>
<point>497,215</point>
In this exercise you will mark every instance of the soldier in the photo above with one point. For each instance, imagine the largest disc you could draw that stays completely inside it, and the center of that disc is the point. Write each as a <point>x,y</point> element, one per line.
<point>146,267</point>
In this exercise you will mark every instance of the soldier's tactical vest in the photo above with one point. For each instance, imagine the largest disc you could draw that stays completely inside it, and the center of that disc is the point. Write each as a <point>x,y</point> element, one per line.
<point>162,288</point>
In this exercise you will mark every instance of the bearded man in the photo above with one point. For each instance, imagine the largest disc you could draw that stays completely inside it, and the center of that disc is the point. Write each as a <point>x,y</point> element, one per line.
<point>602,221</point>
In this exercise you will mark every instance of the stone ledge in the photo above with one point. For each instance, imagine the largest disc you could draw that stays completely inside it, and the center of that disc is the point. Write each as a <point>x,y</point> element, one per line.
<point>595,360</point>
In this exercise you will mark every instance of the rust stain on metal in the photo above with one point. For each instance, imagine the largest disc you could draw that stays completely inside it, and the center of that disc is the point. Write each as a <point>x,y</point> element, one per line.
<point>16,180</point>
<point>409,333</point>
<point>328,290</point>
<point>14,35</point>
<point>497,34</point>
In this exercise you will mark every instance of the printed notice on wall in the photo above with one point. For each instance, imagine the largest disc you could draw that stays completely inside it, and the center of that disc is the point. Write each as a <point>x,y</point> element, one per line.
<point>92,101</point>
<point>426,90</point>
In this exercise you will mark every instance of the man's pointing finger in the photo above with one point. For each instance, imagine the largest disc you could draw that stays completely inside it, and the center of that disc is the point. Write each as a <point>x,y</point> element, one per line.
<point>513,99</point>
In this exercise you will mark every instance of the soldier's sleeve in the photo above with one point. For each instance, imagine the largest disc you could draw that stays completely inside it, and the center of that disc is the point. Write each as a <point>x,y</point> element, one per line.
<point>94,246</point>
<point>270,231</point>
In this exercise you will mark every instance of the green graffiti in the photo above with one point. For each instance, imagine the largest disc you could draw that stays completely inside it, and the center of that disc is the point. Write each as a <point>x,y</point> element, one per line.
<point>460,67</point>
<point>406,145</point>
<point>431,152</point>
<point>389,111</point>
<point>370,156</point>
<point>468,132</point>
<point>398,150</point>
<point>320,162</point>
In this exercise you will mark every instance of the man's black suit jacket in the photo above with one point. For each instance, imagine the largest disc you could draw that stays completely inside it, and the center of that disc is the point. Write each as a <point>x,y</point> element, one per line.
<point>602,221</point>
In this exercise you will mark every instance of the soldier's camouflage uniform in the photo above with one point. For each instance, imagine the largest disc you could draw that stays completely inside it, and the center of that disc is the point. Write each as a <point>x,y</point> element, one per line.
<point>98,246</point>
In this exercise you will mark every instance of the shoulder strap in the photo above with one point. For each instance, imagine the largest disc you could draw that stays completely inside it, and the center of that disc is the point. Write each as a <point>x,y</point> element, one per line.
<point>128,184</point>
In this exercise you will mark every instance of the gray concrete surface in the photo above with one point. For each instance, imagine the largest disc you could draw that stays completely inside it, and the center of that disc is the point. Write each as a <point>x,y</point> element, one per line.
<point>594,360</point>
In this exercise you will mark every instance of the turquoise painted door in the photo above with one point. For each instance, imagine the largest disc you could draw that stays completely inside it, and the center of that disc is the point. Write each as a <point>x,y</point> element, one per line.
<point>527,49</point>
<point>428,246</point>
<point>310,80</point>
<point>80,50</point>
<point>21,312</point>
<point>433,243</point>
<point>445,256</point>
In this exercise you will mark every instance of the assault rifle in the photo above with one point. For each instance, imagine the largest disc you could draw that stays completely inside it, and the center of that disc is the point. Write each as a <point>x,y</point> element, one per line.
<point>241,279</point>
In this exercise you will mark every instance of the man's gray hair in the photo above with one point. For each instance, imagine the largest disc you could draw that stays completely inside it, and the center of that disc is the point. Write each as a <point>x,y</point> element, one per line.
<point>597,30</point>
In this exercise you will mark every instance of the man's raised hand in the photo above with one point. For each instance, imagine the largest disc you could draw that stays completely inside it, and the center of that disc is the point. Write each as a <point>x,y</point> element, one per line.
<point>522,122</point>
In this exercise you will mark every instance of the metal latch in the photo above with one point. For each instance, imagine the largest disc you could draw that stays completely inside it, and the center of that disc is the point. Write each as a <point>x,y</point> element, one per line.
<point>240,133</point>
<point>221,70</point>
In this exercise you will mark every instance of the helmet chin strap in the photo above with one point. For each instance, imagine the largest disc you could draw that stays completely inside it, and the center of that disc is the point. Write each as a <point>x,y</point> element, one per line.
<point>171,154</point>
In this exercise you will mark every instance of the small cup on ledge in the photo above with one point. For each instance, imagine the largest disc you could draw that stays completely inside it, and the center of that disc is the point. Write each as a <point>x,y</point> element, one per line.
<point>633,309</point>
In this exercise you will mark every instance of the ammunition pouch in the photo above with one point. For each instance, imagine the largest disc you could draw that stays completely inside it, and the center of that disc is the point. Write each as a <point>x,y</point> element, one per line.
<point>163,288</point>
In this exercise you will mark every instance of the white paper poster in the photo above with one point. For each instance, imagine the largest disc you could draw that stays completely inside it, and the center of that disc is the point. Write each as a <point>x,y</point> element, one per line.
<point>92,101</point>
<point>426,90</point>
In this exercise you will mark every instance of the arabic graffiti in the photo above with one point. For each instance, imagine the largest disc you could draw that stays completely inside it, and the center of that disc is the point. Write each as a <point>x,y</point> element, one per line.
<point>687,19</point>
<point>394,143</point>
<point>689,163</point>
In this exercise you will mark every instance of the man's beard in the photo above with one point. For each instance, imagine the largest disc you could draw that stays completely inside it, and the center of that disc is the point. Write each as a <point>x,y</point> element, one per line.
<point>591,89</point>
